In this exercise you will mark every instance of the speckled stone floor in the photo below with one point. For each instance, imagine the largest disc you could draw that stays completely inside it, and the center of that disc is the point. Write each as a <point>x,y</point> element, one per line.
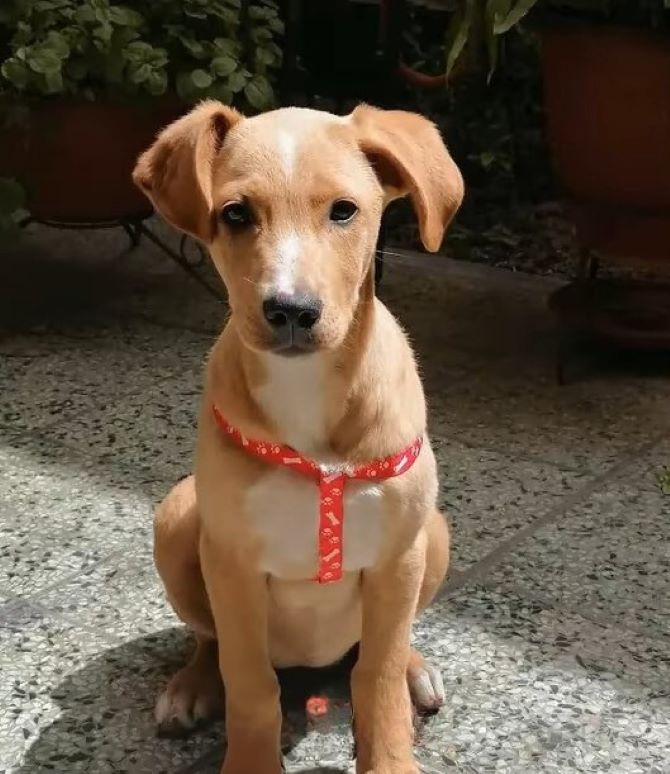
<point>553,632</point>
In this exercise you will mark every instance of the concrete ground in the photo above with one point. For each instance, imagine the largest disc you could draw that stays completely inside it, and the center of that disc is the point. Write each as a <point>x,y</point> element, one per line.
<point>553,632</point>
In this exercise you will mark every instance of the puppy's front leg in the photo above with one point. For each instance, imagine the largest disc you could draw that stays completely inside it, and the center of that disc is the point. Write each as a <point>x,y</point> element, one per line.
<point>381,701</point>
<point>239,599</point>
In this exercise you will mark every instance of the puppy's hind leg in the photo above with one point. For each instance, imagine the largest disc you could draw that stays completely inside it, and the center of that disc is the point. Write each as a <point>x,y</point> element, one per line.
<point>425,684</point>
<point>195,693</point>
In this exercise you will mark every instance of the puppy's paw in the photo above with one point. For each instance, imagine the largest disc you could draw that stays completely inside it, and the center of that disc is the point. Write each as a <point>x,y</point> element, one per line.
<point>189,700</point>
<point>425,686</point>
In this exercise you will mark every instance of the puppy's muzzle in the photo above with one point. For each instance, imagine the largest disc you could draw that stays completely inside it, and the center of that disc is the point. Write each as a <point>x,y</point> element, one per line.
<point>292,319</point>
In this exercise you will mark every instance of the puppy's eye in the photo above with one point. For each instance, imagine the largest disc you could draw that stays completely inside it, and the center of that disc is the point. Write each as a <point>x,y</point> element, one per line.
<point>343,211</point>
<point>236,214</point>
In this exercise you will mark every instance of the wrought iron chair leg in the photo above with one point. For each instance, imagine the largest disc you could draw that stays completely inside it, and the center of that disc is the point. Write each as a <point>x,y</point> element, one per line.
<point>589,264</point>
<point>134,231</point>
<point>181,261</point>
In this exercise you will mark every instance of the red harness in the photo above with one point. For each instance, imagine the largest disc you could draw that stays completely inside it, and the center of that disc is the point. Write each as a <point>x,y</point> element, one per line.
<point>331,487</point>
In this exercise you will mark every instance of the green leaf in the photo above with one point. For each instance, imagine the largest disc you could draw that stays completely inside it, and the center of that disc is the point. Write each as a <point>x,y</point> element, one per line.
<point>513,16</point>
<point>24,33</point>
<point>85,15</point>
<point>265,57</point>
<point>261,35</point>
<point>195,13</point>
<point>44,61</point>
<point>138,51</point>
<point>257,13</point>
<point>194,47</point>
<point>58,44</point>
<point>159,57</point>
<point>225,46</point>
<point>103,32</point>
<point>494,9</point>
<point>237,81</point>
<point>486,159</point>
<point>201,79</point>
<point>259,93</point>
<point>122,36</point>
<point>224,66</point>
<point>15,72</point>
<point>54,82</point>
<point>274,48</point>
<point>101,14</point>
<point>125,17</point>
<point>157,83</point>
<point>458,33</point>
<point>139,74</point>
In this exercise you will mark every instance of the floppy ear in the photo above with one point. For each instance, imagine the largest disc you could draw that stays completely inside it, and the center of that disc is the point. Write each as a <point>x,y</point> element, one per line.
<point>409,157</point>
<point>176,171</point>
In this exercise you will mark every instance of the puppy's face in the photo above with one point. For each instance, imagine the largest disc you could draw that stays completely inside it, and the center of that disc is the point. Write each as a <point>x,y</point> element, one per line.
<point>289,204</point>
<point>297,213</point>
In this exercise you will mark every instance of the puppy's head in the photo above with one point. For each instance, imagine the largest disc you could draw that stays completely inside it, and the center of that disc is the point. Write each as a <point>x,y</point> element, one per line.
<point>289,205</point>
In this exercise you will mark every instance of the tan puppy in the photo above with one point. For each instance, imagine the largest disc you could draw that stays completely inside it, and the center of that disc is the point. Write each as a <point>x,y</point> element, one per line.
<point>289,205</point>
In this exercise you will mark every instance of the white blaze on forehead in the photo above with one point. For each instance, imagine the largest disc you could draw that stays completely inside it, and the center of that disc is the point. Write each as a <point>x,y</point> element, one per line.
<point>287,146</point>
<point>287,261</point>
<point>284,132</point>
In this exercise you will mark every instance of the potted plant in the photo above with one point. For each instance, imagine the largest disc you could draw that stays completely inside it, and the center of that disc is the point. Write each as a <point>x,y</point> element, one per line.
<point>86,84</point>
<point>606,67</point>
<point>606,71</point>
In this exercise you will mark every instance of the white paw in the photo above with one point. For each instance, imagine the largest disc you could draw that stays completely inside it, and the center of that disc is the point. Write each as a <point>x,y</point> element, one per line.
<point>426,688</point>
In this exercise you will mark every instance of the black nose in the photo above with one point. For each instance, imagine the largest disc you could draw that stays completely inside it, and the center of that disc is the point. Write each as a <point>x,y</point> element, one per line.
<point>299,311</point>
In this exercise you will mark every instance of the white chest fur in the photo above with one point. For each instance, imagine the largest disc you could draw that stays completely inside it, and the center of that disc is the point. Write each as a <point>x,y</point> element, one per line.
<point>294,397</point>
<point>284,505</point>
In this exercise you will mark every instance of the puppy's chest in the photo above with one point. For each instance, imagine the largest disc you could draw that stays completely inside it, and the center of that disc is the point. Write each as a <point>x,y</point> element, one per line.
<point>283,507</point>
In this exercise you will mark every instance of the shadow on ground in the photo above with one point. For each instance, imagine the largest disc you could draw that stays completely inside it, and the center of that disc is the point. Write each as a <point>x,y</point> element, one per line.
<point>106,713</point>
<point>593,673</point>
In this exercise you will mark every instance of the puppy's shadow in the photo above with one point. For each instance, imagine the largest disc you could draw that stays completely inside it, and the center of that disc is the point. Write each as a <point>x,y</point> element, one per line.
<point>105,713</point>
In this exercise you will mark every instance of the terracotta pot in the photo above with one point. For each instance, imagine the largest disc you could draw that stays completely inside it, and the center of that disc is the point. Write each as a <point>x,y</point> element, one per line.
<point>75,159</point>
<point>607,97</point>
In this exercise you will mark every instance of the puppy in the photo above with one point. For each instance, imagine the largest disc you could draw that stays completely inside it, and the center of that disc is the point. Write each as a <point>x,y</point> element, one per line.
<point>310,523</point>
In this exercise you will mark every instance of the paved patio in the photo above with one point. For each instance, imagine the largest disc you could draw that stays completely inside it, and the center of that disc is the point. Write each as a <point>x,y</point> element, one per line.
<point>553,633</point>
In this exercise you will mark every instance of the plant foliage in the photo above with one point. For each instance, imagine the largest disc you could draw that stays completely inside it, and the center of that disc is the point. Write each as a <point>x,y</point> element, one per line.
<point>97,49</point>
<point>481,23</point>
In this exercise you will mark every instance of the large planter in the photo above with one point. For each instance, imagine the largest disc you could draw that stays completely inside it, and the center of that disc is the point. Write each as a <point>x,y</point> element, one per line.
<point>607,93</point>
<point>75,159</point>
